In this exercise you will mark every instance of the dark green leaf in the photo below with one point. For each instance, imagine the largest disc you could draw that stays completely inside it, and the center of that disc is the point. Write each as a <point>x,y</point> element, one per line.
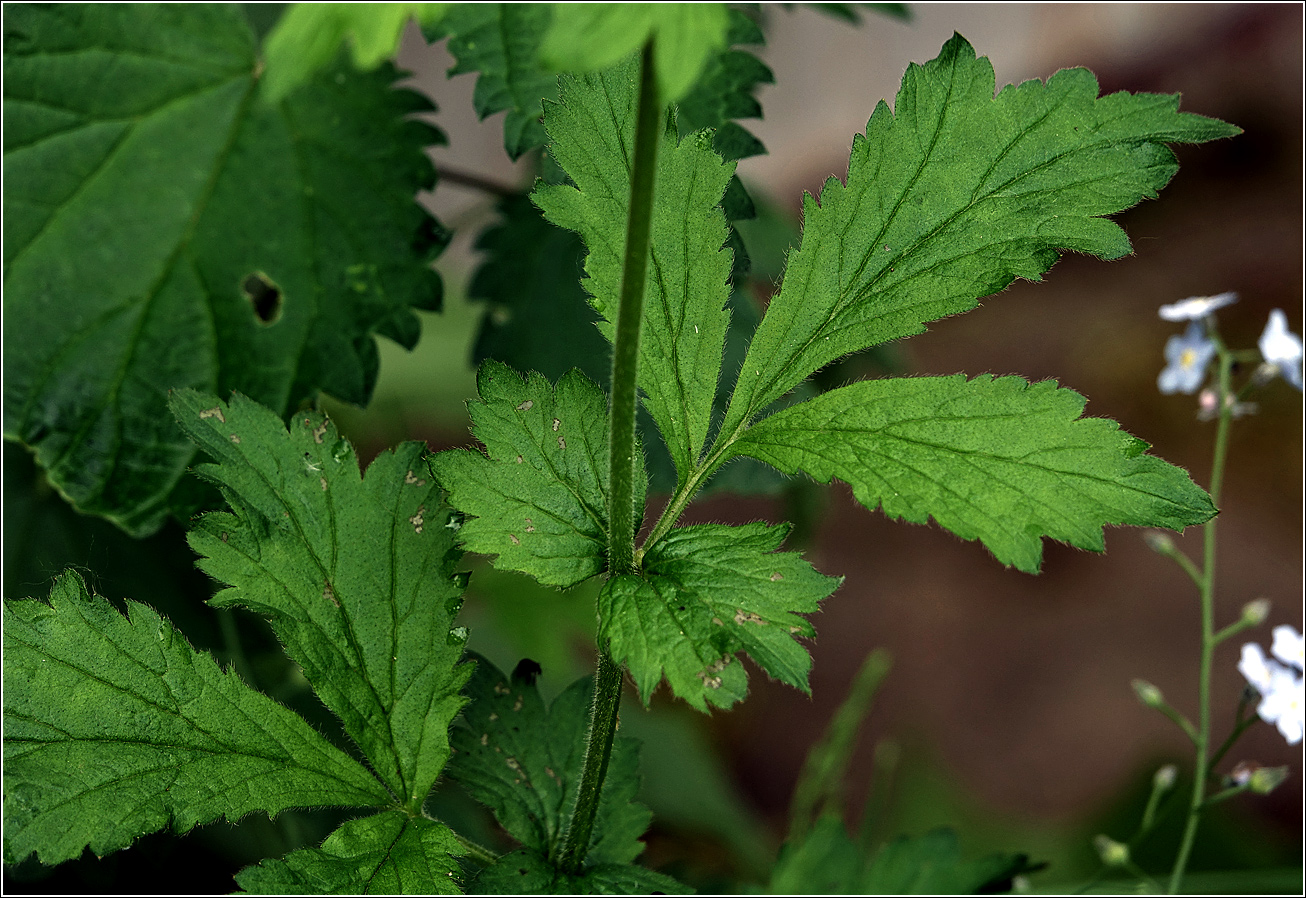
<point>524,761</point>
<point>526,872</point>
<point>356,574</point>
<point>951,197</point>
<point>389,853</point>
<point>1000,460</point>
<point>173,231</point>
<point>501,41</point>
<point>115,727</point>
<point>707,592</point>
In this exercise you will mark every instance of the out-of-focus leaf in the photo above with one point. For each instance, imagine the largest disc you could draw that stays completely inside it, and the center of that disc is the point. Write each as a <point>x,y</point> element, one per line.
<point>164,229</point>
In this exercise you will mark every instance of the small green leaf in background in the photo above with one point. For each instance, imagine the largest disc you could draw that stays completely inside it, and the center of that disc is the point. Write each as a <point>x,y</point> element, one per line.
<point>585,37</point>
<point>828,861</point>
<point>1000,460</point>
<point>951,196</point>
<point>173,232</point>
<point>501,42</point>
<point>687,286</point>
<point>708,591</point>
<point>115,727</point>
<point>389,853</point>
<point>309,35</point>
<point>356,574</point>
<point>523,761</point>
<point>537,317</point>
<point>538,497</point>
<point>526,872</point>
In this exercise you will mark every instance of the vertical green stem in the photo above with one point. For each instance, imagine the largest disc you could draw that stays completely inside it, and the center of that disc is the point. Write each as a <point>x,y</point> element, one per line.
<point>1207,596</point>
<point>621,511</point>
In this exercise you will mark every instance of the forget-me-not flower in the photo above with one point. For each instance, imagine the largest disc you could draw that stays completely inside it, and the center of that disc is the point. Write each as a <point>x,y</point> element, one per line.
<point>1196,307</point>
<point>1281,349</point>
<point>1186,360</point>
<point>1282,686</point>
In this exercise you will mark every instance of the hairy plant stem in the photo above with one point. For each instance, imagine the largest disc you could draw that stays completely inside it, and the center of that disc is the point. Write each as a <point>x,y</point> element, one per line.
<point>1206,591</point>
<point>622,525</point>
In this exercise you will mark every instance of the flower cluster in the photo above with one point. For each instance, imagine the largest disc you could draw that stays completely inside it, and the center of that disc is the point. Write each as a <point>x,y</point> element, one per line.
<point>1281,686</point>
<point>1188,358</point>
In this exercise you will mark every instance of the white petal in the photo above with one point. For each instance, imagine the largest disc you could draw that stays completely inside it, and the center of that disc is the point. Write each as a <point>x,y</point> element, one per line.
<point>1256,668</point>
<point>1289,646</point>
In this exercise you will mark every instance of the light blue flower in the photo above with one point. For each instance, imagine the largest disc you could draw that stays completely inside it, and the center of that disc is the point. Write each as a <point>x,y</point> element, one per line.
<point>1196,307</point>
<point>1186,358</point>
<point>1281,349</point>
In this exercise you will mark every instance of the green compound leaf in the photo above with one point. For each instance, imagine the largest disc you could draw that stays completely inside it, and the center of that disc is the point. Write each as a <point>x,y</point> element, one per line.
<point>707,592</point>
<point>115,727</point>
<point>1000,460</point>
<point>952,196</point>
<point>585,37</point>
<point>539,495</point>
<point>687,285</point>
<point>356,574</point>
<point>523,761</point>
<point>172,231</point>
<point>309,35</point>
<point>501,41</point>
<point>828,861</point>
<point>389,853</point>
<point>527,872</point>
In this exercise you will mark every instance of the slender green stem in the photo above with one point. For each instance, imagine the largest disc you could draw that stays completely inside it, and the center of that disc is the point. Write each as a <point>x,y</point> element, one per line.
<point>476,851</point>
<point>1207,597</point>
<point>621,510</point>
<point>1243,724</point>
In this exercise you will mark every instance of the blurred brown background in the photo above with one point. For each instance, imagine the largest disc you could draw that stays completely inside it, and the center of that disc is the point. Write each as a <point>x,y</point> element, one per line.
<point>1016,686</point>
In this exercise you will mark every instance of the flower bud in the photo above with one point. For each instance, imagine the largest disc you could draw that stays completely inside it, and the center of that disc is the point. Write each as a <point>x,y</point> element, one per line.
<point>1163,779</point>
<point>1266,779</point>
<point>1255,612</point>
<point>1112,853</point>
<point>1148,694</point>
<point>1158,542</point>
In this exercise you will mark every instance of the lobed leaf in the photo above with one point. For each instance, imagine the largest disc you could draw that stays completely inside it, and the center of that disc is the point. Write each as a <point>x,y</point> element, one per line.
<point>524,761</point>
<point>951,197</point>
<point>356,574</point>
<point>706,592</point>
<point>538,496</point>
<point>165,230</point>
<point>687,287</point>
<point>501,42</point>
<point>115,727</point>
<point>995,459</point>
<point>390,853</point>
<point>586,37</point>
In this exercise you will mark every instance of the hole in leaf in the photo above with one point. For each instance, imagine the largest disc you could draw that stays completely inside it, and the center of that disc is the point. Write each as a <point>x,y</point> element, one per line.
<point>263,295</point>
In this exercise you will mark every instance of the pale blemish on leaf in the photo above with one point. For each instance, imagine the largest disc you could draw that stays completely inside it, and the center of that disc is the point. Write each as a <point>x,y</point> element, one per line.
<point>485,738</point>
<point>412,480</point>
<point>322,480</point>
<point>530,526</point>
<point>215,412</point>
<point>519,459</point>
<point>515,540</point>
<point>776,576</point>
<point>562,444</point>
<point>556,425</point>
<point>742,617</point>
<point>329,594</point>
<point>416,520</point>
<point>517,705</point>
<point>318,431</point>
<point>235,439</point>
<point>526,406</point>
